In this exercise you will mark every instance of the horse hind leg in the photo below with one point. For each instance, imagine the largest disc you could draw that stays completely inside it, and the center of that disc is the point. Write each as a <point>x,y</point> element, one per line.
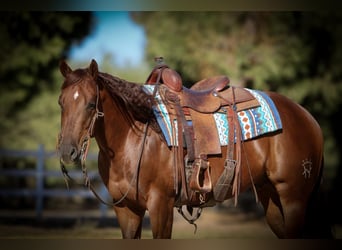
<point>301,208</point>
<point>319,222</point>
<point>272,208</point>
<point>284,216</point>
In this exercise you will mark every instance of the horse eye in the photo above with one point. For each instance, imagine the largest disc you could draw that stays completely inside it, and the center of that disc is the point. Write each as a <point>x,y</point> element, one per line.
<point>91,105</point>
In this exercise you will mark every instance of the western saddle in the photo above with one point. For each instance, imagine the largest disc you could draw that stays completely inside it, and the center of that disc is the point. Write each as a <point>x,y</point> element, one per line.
<point>193,109</point>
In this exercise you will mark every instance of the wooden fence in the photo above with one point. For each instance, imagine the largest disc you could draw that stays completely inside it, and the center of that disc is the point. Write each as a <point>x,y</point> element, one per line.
<point>40,173</point>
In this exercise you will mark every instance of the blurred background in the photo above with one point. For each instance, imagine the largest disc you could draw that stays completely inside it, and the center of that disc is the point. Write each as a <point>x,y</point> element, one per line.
<point>298,54</point>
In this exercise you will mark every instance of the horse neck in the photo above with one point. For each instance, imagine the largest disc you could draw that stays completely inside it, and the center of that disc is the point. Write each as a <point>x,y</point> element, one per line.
<point>113,130</point>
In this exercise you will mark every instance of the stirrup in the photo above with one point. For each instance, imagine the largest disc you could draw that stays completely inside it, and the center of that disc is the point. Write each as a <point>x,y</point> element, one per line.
<point>200,179</point>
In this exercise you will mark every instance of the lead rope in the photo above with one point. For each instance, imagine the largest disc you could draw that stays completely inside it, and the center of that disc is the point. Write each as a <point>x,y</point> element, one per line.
<point>87,182</point>
<point>84,153</point>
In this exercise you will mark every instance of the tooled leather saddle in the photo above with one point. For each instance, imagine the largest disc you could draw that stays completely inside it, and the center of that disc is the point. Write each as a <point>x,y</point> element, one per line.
<point>193,110</point>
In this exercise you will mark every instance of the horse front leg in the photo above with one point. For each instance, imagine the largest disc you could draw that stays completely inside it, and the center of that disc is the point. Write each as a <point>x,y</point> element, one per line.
<point>161,217</point>
<point>130,222</point>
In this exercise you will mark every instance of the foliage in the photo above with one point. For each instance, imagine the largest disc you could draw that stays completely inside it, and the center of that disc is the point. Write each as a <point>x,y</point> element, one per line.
<point>32,45</point>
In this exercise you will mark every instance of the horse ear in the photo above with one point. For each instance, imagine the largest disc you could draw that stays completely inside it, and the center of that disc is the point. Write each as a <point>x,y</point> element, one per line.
<point>93,68</point>
<point>64,68</point>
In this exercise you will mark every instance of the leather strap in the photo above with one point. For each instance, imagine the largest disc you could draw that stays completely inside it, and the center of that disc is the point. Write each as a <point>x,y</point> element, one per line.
<point>231,166</point>
<point>237,178</point>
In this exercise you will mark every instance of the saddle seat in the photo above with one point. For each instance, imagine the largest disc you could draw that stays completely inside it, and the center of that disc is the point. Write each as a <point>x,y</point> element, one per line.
<point>201,96</point>
<point>205,96</point>
<point>173,80</point>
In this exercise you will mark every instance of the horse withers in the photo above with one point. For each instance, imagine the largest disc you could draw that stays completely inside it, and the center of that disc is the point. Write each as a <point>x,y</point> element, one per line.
<point>137,165</point>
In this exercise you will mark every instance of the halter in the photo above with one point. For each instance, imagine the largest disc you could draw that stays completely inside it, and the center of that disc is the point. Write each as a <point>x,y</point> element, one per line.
<point>97,113</point>
<point>84,152</point>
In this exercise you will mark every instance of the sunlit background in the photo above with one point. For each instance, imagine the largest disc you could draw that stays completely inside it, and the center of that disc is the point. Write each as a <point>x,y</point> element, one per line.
<point>113,34</point>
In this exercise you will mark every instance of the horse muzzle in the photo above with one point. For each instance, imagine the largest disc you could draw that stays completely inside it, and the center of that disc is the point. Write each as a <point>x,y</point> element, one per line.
<point>69,154</point>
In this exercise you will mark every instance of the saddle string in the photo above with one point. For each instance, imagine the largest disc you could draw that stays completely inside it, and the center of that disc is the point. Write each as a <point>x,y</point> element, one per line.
<point>175,152</point>
<point>238,134</point>
<point>250,173</point>
<point>174,158</point>
<point>177,135</point>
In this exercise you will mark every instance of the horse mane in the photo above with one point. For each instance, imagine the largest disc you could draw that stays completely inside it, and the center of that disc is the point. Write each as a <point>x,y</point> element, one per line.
<point>133,102</point>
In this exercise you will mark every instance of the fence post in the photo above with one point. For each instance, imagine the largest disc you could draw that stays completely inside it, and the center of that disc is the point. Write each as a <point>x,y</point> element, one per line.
<point>40,181</point>
<point>103,207</point>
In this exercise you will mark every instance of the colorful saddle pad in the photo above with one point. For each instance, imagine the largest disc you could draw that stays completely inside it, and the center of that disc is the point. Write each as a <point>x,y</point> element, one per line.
<point>254,122</point>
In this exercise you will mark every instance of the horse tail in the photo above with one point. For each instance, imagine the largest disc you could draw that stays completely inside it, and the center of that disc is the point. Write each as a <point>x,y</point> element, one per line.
<point>318,221</point>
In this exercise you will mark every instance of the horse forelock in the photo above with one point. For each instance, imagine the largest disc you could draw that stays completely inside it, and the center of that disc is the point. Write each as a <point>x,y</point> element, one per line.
<point>75,77</point>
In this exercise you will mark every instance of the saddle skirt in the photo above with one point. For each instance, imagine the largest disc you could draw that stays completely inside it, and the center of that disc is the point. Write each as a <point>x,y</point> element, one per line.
<point>254,121</point>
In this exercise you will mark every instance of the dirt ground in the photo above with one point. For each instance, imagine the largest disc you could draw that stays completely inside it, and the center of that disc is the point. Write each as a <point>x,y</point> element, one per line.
<point>213,224</point>
<point>216,224</point>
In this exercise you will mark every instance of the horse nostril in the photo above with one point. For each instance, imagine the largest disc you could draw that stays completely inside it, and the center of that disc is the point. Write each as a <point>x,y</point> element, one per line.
<point>73,153</point>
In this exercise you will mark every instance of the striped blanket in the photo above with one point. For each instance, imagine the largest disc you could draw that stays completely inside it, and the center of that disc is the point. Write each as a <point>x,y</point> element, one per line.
<point>254,122</point>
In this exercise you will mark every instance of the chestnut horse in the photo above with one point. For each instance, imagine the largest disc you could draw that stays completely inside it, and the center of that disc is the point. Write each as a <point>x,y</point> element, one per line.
<point>136,165</point>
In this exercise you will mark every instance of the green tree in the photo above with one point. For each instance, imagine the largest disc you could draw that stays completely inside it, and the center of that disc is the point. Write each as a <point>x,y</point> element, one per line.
<point>32,43</point>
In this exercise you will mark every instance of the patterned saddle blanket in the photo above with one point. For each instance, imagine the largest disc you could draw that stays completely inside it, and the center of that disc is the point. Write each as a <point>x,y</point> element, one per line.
<point>254,122</point>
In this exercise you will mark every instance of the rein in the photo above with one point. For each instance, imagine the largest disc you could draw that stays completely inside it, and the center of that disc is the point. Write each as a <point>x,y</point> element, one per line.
<point>84,152</point>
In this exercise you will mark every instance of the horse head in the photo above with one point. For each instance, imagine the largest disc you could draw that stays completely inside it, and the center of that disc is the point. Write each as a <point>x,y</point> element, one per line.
<point>79,109</point>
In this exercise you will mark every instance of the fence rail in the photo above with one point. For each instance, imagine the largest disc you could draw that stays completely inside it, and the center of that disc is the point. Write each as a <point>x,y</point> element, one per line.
<point>40,173</point>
